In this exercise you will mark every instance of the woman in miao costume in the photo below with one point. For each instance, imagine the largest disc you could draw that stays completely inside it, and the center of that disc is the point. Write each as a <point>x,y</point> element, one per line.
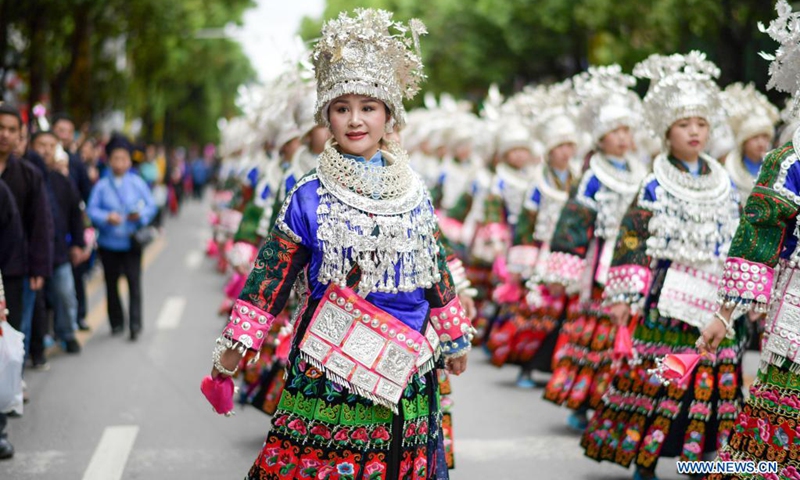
<point>361,397</point>
<point>667,262</point>
<point>535,340</point>
<point>761,274</point>
<point>586,233</point>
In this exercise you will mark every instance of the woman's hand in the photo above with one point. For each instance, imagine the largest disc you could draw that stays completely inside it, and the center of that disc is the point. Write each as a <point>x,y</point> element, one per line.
<point>620,313</point>
<point>229,360</point>
<point>714,333</point>
<point>114,218</point>
<point>469,306</point>
<point>456,365</point>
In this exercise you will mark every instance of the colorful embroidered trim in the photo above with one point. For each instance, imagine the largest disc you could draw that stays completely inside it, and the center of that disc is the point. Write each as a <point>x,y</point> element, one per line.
<point>746,282</point>
<point>688,294</point>
<point>453,328</point>
<point>248,325</point>
<point>627,283</point>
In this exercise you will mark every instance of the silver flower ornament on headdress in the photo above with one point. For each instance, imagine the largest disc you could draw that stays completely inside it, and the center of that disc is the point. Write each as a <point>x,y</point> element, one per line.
<point>606,100</point>
<point>681,86</point>
<point>749,111</point>
<point>368,54</point>
<point>784,71</point>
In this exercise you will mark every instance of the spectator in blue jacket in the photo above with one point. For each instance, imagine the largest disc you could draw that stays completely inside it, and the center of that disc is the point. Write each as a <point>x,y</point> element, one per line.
<point>121,204</point>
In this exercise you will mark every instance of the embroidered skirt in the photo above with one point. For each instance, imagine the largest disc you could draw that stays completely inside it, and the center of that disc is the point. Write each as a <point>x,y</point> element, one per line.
<point>519,333</point>
<point>768,428</point>
<point>641,420</point>
<point>583,368</point>
<point>322,430</point>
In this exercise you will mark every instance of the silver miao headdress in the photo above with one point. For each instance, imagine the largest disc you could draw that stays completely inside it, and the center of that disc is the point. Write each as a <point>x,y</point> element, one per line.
<point>750,113</point>
<point>555,115</point>
<point>368,54</point>
<point>784,71</point>
<point>606,100</point>
<point>681,86</point>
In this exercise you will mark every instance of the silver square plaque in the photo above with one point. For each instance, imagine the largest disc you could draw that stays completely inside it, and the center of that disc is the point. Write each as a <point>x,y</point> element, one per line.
<point>364,344</point>
<point>332,323</point>
<point>396,363</point>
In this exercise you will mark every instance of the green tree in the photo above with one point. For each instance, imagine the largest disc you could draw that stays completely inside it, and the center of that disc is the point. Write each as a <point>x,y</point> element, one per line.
<point>513,42</point>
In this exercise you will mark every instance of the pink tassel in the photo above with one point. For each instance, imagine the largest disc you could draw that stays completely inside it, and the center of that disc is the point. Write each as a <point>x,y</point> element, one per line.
<point>235,285</point>
<point>623,344</point>
<point>219,393</point>
<point>212,249</point>
<point>500,268</point>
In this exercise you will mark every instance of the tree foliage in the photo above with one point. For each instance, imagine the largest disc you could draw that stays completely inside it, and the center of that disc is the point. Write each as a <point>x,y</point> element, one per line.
<point>514,42</point>
<point>89,57</point>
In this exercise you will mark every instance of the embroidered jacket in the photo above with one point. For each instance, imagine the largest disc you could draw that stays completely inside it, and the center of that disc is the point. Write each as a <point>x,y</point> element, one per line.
<point>390,248</point>
<point>675,219</point>
<point>768,236</point>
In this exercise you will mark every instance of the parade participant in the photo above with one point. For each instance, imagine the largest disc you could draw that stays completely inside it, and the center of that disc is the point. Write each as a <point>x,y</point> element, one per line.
<point>752,119</point>
<point>583,242</point>
<point>764,256</point>
<point>358,401</point>
<point>120,205</point>
<point>667,261</point>
<point>558,133</point>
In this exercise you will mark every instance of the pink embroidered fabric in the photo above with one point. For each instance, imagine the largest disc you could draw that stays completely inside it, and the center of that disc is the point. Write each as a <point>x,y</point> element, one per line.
<point>248,325</point>
<point>745,280</point>
<point>564,268</point>
<point>450,321</point>
<point>626,282</point>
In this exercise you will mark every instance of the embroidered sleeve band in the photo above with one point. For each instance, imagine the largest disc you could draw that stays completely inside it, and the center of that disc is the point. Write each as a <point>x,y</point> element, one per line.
<point>454,328</point>
<point>627,284</point>
<point>460,281</point>
<point>746,283</point>
<point>248,325</point>
<point>564,268</point>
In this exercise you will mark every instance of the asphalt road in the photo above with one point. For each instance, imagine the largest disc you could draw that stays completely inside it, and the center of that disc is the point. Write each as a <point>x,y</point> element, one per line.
<point>123,410</point>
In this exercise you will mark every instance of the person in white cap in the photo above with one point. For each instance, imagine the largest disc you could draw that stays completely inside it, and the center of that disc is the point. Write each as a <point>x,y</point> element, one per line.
<point>584,239</point>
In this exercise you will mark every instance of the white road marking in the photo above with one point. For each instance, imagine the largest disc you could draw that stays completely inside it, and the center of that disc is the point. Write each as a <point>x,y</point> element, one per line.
<point>111,455</point>
<point>194,259</point>
<point>171,313</point>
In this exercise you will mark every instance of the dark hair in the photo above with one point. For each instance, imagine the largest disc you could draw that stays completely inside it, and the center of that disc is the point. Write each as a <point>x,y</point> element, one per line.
<point>62,116</point>
<point>118,141</point>
<point>6,109</point>
<point>41,134</point>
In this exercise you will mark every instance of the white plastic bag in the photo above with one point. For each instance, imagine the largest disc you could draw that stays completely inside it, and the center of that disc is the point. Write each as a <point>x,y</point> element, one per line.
<point>12,355</point>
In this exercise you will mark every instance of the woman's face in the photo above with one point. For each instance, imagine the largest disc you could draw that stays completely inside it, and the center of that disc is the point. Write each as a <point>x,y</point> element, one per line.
<point>560,156</point>
<point>358,123</point>
<point>519,157</point>
<point>755,148</point>
<point>120,161</point>
<point>616,143</point>
<point>688,137</point>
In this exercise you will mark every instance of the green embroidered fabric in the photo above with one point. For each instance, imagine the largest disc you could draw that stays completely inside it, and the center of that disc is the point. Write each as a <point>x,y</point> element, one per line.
<point>766,214</point>
<point>575,229</point>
